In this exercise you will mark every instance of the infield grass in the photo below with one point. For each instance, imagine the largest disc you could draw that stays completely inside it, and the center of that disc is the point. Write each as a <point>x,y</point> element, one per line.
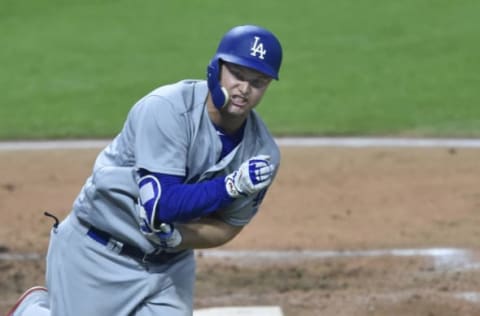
<point>409,68</point>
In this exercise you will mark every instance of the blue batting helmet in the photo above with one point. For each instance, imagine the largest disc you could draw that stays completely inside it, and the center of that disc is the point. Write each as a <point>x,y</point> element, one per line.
<point>248,46</point>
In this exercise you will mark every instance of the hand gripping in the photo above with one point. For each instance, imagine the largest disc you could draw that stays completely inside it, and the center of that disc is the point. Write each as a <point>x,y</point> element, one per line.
<point>169,236</point>
<point>251,177</point>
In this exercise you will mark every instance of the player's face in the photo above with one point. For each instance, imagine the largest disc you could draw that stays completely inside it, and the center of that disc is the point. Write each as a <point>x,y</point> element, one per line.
<point>245,87</point>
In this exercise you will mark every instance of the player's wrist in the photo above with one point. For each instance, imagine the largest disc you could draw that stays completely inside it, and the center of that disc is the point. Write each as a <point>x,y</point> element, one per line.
<point>230,186</point>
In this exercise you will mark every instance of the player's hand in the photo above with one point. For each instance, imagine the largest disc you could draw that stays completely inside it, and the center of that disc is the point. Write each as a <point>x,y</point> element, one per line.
<point>169,236</point>
<point>166,235</point>
<point>253,175</point>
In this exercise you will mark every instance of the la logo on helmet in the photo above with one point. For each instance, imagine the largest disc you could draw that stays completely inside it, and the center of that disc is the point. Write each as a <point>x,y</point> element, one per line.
<point>258,48</point>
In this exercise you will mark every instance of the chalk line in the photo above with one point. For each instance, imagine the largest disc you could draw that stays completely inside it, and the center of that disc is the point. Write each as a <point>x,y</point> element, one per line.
<point>352,142</point>
<point>451,258</point>
<point>443,258</point>
<point>361,142</point>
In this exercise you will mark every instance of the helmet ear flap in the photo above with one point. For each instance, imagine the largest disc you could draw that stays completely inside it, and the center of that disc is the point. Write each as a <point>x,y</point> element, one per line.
<point>219,93</point>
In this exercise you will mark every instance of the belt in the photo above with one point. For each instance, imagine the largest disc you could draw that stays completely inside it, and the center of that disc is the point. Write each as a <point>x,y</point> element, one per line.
<point>123,248</point>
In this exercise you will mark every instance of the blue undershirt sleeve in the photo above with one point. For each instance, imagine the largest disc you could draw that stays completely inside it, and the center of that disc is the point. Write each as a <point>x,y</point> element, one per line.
<point>181,202</point>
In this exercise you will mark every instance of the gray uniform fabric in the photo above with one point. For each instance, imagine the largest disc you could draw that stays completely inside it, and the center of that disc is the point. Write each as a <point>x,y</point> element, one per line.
<point>167,131</point>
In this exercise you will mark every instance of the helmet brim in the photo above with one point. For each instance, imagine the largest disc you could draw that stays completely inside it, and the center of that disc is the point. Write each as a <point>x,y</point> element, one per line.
<point>249,63</point>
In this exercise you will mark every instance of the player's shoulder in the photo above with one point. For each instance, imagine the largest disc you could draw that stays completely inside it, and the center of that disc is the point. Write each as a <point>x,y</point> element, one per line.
<point>182,94</point>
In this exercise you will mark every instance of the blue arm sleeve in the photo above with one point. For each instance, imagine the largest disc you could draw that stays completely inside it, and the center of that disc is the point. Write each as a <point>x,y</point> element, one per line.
<point>179,202</point>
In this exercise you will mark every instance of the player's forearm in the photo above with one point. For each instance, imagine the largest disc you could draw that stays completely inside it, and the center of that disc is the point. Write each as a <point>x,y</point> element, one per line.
<point>206,233</point>
<point>167,199</point>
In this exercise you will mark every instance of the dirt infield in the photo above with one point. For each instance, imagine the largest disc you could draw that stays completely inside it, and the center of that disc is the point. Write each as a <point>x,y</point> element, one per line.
<point>325,199</point>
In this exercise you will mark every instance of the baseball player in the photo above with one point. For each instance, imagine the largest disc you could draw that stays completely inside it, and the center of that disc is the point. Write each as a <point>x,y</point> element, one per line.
<point>188,170</point>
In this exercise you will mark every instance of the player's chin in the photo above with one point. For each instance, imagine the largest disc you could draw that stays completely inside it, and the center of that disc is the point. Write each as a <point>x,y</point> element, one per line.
<point>238,109</point>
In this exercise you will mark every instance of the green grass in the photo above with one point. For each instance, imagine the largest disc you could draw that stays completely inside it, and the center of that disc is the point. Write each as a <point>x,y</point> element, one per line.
<point>73,70</point>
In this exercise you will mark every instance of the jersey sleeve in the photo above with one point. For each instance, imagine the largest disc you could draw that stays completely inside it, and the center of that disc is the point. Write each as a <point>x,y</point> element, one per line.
<point>161,137</point>
<point>242,210</point>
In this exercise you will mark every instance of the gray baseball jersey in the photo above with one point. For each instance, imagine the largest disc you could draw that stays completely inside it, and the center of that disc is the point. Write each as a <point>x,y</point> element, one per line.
<point>168,131</point>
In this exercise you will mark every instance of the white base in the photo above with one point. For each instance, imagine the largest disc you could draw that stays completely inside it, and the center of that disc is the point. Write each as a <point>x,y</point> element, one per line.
<point>240,311</point>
